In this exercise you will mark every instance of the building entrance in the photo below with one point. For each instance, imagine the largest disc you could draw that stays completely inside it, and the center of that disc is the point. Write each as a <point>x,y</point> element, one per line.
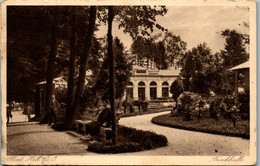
<point>141,93</point>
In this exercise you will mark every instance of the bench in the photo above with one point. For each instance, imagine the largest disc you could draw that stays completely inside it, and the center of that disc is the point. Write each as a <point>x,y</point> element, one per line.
<point>82,124</point>
<point>106,133</point>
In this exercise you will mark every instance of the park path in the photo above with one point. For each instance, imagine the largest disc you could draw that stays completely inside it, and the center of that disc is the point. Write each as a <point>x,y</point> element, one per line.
<point>27,138</point>
<point>31,138</point>
<point>184,142</point>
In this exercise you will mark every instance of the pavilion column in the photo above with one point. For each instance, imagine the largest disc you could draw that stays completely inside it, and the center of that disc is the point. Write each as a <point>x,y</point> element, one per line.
<point>147,91</point>
<point>236,89</point>
<point>135,90</point>
<point>159,89</point>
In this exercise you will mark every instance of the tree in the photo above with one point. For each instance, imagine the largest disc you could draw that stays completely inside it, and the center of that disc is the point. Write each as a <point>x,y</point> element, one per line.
<point>135,20</point>
<point>235,51</point>
<point>51,65</point>
<point>123,68</point>
<point>163,49</point>
<point>197,67</point>
<point>111,73</point>
<point>28,38</point>
<point>84,60</point>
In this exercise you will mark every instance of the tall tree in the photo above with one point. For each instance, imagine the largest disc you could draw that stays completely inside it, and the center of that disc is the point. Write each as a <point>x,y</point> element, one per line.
<point>84,60</point>
<point>28,38</point>
<point>112,73</point>
<point>196,67</point>
<point>51,65</point>
<point>72,63</point>
<point>122,65</point>
<point>235,51</point>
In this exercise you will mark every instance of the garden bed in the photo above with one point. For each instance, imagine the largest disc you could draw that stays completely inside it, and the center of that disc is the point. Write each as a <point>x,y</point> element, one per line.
<point>130,140</point>
<point>221,126</point>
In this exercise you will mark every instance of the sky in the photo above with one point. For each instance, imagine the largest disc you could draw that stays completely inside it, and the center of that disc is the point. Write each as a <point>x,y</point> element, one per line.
<point>196,24</point>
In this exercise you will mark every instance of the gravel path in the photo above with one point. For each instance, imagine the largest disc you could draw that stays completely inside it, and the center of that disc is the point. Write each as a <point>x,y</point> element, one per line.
<point>184,142</point>
<point>28,138</point>
<point>31,138</point>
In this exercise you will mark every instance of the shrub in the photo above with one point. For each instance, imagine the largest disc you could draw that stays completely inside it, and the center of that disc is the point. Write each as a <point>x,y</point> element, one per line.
<point>215,109</point>
<point>130,140</point>
<point>244,107</point>
<point>187,102</point>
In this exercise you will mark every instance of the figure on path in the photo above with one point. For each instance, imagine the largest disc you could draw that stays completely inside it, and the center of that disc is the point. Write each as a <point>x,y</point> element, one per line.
<point>28,110</point>
<point>9,111</point>
<point>52,117</point>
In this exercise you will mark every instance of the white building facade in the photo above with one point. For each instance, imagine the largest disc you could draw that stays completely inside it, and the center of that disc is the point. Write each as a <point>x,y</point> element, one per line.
<point>150,83</point>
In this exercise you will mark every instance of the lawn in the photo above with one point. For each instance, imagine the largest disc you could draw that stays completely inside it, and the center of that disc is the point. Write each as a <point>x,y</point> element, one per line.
<point>221,126</point>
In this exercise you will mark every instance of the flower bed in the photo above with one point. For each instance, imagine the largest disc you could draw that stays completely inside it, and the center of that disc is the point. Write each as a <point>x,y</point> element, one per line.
<point>130,140</point>
<point>221,126</point>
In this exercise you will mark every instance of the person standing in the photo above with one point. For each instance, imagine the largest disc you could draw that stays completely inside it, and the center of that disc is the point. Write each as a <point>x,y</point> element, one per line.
<point>53,108</point>
<point>9,111</point>
<point>28,111</point>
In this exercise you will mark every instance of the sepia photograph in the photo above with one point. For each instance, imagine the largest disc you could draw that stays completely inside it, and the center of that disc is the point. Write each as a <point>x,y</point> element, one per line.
<point>128,83</point>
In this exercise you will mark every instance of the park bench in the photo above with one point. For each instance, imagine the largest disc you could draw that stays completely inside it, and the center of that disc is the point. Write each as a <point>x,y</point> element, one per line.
<point>107,131</point>
<point>81,124</point>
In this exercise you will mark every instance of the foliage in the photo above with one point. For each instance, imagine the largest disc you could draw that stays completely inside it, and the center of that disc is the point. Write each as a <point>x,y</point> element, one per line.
<point>186,104</point>
<point>138,20</point>
<point>28,32</point>
<point>197,69</point>
<point>61,95</point>
<point>130,140</point>
<point>224,106</point>
<point>222,126</point>
<point>243,98</point>
<point>235,51</point>
<point>163,49</point>
<point>122,73</point>
<point>176,88</point>
<point>215,107</point>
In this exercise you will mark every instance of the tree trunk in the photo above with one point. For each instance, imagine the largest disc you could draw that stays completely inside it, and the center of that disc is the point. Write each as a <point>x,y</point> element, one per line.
<point>112,73</point>
<point>84,61</point>
<point>71,79</point>
<point>50,68</point>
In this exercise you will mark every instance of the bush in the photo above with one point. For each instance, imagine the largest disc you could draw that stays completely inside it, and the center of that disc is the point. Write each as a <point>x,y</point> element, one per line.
<point>130,140</point>
<point>186,103</point>
<point>244,107</point>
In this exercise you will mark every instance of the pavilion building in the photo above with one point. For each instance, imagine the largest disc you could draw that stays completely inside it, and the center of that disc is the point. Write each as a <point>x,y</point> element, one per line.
<point>149,83</point>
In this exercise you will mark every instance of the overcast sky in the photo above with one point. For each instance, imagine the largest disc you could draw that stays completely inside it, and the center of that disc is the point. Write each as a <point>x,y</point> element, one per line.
<point>196,24</point>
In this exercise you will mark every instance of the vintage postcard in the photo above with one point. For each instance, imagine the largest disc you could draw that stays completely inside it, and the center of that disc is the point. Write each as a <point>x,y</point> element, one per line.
<point>128,82</point>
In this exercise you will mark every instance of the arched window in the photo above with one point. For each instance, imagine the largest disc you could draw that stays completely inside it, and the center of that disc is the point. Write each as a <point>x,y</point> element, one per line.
<point>165,89</point>
<point>141,90</point>
<point>153,84</point>
<point>153,90</point>
<point>130,84</point>
<point>141,84</point>
<point>165,84</point>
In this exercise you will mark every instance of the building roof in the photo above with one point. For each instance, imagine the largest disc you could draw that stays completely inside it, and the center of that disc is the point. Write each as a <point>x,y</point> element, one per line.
<point>244,65</point>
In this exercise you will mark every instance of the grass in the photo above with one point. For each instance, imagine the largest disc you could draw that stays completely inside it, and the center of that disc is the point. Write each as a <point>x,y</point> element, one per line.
<point>130,140</point>
<point>221,126</point>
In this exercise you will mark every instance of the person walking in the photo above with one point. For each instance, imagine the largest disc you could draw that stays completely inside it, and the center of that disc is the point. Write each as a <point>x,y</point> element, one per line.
<point>53,108</point>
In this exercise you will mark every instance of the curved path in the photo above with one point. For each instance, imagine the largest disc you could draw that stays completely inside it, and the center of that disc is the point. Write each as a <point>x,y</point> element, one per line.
<point>184,142</point>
